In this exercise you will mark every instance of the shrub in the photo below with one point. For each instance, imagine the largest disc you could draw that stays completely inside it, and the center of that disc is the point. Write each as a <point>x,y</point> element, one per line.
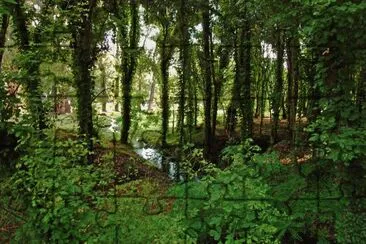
<point>233,204</point>
<point>60,194</point>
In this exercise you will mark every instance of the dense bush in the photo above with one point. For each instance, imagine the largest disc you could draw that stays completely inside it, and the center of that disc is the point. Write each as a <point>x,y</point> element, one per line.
<point>258,199</point>
<point>226,209</point>
<point>59,193</point>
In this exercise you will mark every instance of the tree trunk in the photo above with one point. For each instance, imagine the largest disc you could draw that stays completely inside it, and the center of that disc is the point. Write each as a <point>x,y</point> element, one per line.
<point>218,83</point>
<point>151,96</point>
<point>32,79</point>
<point>312,101</point>
<point>283,107</point>
<point>277,94</point>
<point>247,103</point>
<point>164,66</point>
<point>290,79</point>
<point>185,72</point>
<point>259,81</point>
<point>116,82</point>
<point>116,94</point>
<point>190,110</point>
<point>264,87</point>
<point>361,91</point>
<point>196,109</point>
<point>235,93</point>
<point>207,80</point>
<point>128,67</point>
<point>165,90</point>
<point>83,58</point>
<point>263,96</point>
<point>293,83</point>
<point>4,114</point>
<point>104,94</point>
<point>4,28</point>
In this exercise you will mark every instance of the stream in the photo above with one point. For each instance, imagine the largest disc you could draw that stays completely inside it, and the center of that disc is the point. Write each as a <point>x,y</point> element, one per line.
<point>155,157</point>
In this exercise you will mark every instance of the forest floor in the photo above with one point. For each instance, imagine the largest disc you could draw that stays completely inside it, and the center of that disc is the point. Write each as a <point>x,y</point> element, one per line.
<point>261,137</point>
<point>134,176</point>
<point>129,165</point>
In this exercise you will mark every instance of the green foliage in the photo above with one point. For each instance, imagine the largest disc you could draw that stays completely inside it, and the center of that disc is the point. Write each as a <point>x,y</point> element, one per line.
<point>194,165</point>
<point>350,228</point>
<point>59,193</point>
<point>241,153</point>
<point>258,199</point>
<point>237,208</point>
<point>4,6</point>
<point>336,141</point>
<point>338,137</point>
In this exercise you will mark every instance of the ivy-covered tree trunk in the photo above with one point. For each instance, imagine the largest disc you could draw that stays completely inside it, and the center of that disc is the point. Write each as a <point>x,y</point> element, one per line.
<point>196,109</point>
<point>83,61</point>
<point>277,93</point>
<point>312,102</point>
<point>116,94</point>
<point>164,66</point>
<point>207,79</point>
<point>116,88</point>
<point>4,114</point>
<point>103,87</point>
<point>191,103</point>
<point>283,105</point>
<point>258,74</point>
<point>293,84</point>
<point>150,102</point>
<point>245,76</point>
<point>264,90</point>
<point>190,109</point>
<point>361,91</point>
<point>3,30</point>
<point>196,88</point>
<point>129,62</point>
<point>184,58</point>
<point>166,52</point>
<point>224,59</point>
<point>235,93</point>
<point>32,78</point>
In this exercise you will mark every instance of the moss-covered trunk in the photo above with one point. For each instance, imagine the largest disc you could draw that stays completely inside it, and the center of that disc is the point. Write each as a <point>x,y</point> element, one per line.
<point>3,30</point>
<point>83,61</point>
<point>32,78</point>
<point>207,80</point>
<point>245,76</point>
<point>129,63</point>
<point>184,57</point>
<point>164,65</point>
<point>293,84</point>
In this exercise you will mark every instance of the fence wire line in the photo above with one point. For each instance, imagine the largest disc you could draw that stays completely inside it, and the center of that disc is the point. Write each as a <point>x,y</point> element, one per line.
<point>187,197</point>
<point>176,98</point>
<point>68,47</point>
<point>318,199</point>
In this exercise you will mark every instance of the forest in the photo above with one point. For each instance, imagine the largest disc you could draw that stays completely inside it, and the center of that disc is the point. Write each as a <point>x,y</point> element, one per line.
<point>182,121</point>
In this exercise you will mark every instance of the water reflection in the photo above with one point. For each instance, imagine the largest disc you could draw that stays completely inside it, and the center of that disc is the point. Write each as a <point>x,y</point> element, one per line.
<point>159,160</point>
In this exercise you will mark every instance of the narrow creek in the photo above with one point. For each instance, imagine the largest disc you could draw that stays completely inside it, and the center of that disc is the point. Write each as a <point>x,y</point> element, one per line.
<point>153,155</point>
<point>157,158</point>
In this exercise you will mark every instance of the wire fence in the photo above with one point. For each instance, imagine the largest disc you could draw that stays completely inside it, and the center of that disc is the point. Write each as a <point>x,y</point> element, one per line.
<point>320,204</point>
<point>319,201</point>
